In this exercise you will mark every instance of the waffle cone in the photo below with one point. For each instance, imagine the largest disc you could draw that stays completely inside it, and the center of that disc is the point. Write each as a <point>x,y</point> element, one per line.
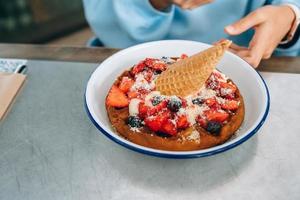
<point>187,76</point>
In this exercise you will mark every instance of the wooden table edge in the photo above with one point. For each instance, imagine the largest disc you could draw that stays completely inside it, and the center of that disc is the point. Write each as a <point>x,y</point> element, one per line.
<point>98,54</point>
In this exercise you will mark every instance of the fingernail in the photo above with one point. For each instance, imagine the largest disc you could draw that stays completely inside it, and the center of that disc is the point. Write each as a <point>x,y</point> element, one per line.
<point>229,29</point>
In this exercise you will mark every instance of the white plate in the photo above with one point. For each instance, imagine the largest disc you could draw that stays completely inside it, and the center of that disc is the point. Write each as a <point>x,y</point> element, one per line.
<point>248,80</point>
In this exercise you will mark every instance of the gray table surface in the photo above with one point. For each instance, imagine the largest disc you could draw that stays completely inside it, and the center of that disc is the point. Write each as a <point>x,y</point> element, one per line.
<point>50,150</point>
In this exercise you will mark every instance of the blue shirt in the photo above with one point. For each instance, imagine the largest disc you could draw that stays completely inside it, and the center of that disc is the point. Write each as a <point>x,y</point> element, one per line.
<point>123,23</point>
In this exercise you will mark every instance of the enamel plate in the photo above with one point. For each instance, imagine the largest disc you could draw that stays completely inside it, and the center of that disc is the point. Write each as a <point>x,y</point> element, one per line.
<point>250,83</point>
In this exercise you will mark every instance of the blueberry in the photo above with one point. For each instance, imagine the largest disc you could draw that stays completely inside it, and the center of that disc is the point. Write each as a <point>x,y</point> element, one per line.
<point>162,134</point>
<point>174,104</point>
<point>134,121</point>
<point>156,72</point>
<point>156,100</point>
<point>198,101</point>
<point>214,127</point>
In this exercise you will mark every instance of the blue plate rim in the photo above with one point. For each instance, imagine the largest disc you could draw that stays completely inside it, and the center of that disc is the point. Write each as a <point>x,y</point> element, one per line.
<point>184,156</point>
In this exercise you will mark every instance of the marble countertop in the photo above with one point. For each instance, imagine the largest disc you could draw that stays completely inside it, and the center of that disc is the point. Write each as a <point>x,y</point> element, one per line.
<point>50,150</point>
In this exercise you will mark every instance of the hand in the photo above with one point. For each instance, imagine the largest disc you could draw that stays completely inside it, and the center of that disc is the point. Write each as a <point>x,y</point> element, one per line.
<point>184,4</point>
<point>271,24</point>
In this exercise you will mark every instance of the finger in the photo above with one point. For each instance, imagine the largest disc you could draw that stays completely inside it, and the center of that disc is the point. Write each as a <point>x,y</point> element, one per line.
<point>251,20</point>
<point>259,44</point>
<point>237,47</point>
<point>191,4</point>
<point>180,3</point>
<point>232,46</point>
<point>219,41</point>
<point>184,4</point>
<point>251,61</point>
<point>232,51</point>
<point>266,56</point>
<point>241,53</point>
<point>245,55</point>
<point>268,53</point>
<point>200,3</point>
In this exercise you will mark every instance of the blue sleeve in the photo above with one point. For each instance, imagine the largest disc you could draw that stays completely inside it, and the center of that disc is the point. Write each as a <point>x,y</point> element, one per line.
<point>141,21</point>
<point>294,50</point>
<point>279,2</point>
<point>122,23</point>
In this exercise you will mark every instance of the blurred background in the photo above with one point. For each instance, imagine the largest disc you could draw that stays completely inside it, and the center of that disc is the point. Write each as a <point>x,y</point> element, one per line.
<point>44,22</point>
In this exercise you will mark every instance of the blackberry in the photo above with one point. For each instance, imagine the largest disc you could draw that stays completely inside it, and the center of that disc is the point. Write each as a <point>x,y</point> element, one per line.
<point>174,104</point>
<point>134,121</point>
<point>156,100</point>
<point>214,127</point>
<point>198,101</point>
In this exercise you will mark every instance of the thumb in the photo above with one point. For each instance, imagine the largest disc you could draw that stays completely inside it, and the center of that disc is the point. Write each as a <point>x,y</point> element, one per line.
<point>245,23</point>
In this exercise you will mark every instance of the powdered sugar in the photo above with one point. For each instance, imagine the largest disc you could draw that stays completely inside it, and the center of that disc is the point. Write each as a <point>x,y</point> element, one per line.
<point>134,107</point>
<point>142,83</point>
<point>225,91</point>
<point>135,129</point>
<point>195,136</point>
<point>206,93</point>
<point>194,111</point>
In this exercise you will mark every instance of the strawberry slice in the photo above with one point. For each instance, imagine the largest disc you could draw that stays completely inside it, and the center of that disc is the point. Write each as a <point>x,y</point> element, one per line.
<point>132,94</point>
<point>183,102</point>
<point>183,56</point>
<point>155,109</point>
<point>138,68</point>
<point>166,114</point>
<point>142,93</point>
<point>230,105</point>
<point>227,90</point>
<point>182,122</point>
<point>143,110</point>
<point>211,102</point>
<point>169,128</point>
<point>202,122</point>
<point>155,122</point>
<point>228,85</point>
<point>217,75</point>
<point>216,116</point>
<point>116,98</point>
<point>150,61</point>
<point>213,83</point>
<point>148,75</point>
<point>159,66</point>
<point>126,84</point>
<point>230,96</point>
<point>155,64</point>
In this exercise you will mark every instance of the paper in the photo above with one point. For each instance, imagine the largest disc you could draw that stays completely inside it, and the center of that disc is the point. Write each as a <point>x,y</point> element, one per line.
<point>11,65</point>
<point>10,85</point>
